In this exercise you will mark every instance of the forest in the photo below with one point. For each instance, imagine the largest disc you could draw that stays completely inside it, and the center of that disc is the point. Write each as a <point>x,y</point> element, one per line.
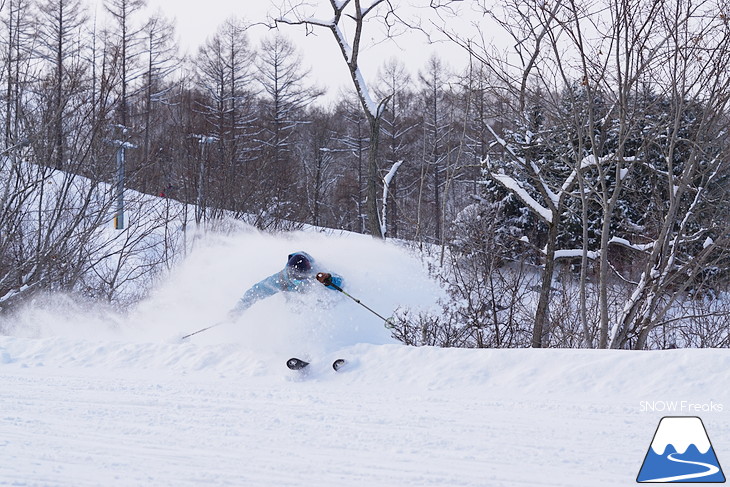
<point>568,191</point>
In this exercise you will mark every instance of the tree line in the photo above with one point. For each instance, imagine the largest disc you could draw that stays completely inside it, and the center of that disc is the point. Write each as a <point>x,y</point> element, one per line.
<point>572,191</point>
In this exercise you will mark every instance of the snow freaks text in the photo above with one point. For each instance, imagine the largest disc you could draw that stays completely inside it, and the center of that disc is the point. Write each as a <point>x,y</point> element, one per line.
<point>680,407</point>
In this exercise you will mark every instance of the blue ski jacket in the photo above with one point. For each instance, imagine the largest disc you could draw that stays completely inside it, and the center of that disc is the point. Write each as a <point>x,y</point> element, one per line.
<point>283,281</point>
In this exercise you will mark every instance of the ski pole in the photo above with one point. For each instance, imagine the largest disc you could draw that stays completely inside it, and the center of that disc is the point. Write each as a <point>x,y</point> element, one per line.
<point>326,279</point>
<point>202,330</point>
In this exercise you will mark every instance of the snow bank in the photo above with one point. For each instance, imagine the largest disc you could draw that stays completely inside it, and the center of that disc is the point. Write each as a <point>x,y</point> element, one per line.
<point>593,375</point>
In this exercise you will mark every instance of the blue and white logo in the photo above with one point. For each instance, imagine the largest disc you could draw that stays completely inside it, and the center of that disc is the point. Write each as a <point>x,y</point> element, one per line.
<point>681,452</point>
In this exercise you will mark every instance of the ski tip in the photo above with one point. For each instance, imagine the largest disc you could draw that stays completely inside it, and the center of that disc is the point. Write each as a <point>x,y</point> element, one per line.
<point>339,363</point>
<point>296,364</point>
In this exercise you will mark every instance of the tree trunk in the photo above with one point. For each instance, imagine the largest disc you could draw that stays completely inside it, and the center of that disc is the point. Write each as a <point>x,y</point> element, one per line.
<point>372,192</point>
<point>603,268</point>
<point>59,88</point>
<point>541,329</point>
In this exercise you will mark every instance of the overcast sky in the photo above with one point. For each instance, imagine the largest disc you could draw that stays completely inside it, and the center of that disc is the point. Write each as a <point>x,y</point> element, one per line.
<point>199,19</point>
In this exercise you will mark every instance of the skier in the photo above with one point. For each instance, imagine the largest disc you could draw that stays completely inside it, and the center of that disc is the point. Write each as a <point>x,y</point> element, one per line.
<point>299,275</point>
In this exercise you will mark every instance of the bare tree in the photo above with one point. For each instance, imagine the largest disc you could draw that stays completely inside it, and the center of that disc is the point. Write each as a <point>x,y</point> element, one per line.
<point>693,74</point>
<point>284,81</point>
<point>638,93</point>
<point>128,41</point>
<point>18,54</point>
<point>350,50</point>
<point>355,141</point>
<point>61,22</point>
<point>437,131</point>
<point>161,56</point>
<point>399,132</point>
<point>316,153</point>
<point>225,74</point>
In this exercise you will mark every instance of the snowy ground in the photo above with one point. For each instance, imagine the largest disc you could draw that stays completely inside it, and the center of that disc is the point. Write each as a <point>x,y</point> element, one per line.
<point>92,399</point>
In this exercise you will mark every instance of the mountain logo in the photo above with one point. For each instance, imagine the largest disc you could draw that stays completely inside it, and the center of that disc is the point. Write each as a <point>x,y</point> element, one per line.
<point>681,452</point>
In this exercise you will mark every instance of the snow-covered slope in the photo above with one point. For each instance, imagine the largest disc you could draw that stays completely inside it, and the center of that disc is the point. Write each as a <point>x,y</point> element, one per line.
<point>92,398</point>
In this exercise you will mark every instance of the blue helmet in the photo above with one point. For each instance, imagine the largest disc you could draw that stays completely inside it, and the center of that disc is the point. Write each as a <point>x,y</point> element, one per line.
<point>299,265</point>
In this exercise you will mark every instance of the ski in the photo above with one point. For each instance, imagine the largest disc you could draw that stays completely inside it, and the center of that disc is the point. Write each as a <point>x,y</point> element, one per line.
<point>296,364</point>
<point>299,364</point>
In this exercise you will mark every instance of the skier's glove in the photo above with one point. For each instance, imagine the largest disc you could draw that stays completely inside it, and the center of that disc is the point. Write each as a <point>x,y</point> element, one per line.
<point>325,278</point>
